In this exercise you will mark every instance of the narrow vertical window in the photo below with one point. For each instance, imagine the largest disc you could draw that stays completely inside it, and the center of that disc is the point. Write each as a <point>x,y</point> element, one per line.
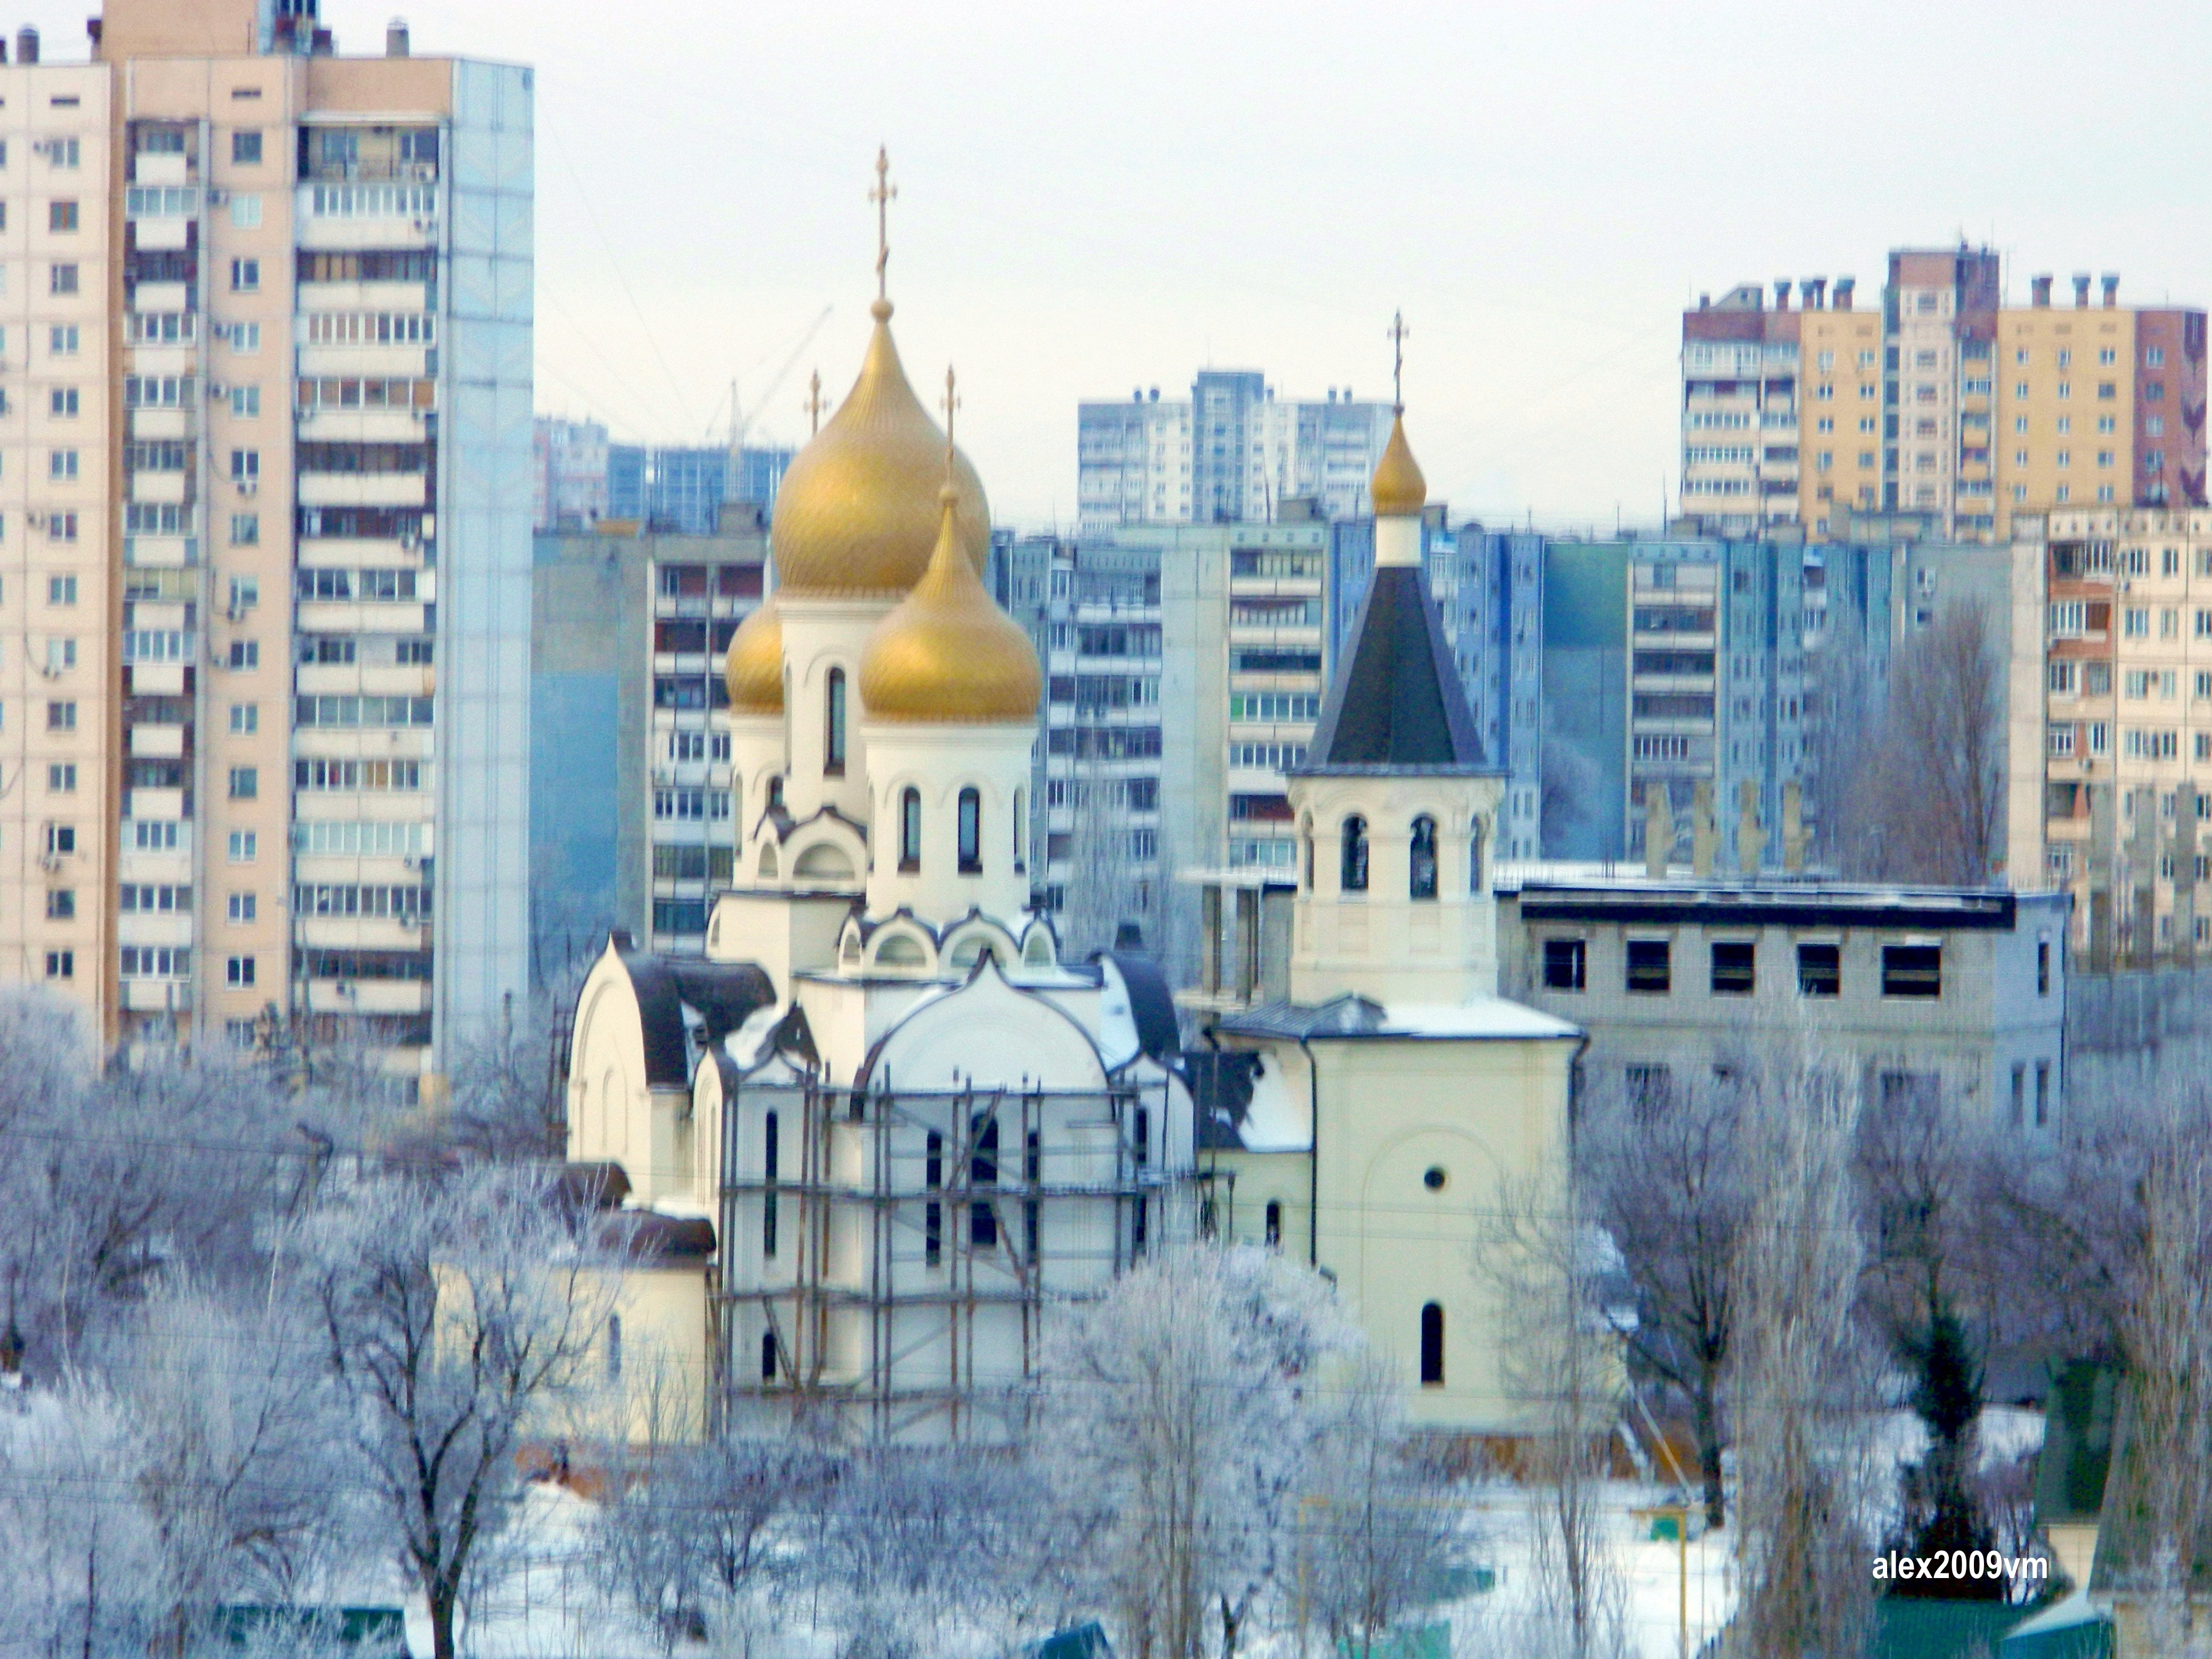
<point>1142,1134</point>
<point>767,1356</point>
<point>1421,859</point>
<point>1274,1222</point>
<point>932,1215</point>
<point>909,830</point>
<point>1305,846</point>
<point>1474,856</point>
<point>1355,854</point>
<point>1032,1174</point>
<point>971,832</point>
<point>983,1171</point>
<point>768,1172</point>
<point>833,736</point>
<point>1433,1345</point>
<point>614,1347</point>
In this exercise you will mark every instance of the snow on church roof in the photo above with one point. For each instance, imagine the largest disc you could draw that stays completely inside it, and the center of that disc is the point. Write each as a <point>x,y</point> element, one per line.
<point>1355,1017</point>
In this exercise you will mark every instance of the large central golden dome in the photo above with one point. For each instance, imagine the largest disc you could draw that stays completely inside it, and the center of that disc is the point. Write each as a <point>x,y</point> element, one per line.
<point>948,653</point>
<point>857,513</point>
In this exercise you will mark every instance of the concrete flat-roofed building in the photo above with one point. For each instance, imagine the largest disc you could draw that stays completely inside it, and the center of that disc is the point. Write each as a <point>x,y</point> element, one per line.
<point>681,489</point>
<point>266,547</point>
<point>570,457</point>
<point>1909,990</point>
<point>1230,453</point>
<point>629,783</point>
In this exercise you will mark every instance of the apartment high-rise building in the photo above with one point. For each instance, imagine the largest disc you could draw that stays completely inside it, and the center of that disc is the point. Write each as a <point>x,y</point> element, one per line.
<point>1230,454</point>
<point>631,797</point>
<point>1950,406</point>
<point>570,462</point>
<point>266,567</point>
<point>1184,669</point>
<point>679,490</point>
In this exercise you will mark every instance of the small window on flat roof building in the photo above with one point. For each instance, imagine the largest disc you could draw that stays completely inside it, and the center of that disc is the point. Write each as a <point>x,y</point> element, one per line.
<point>1565,962</point>
<point>1735,968</point>
<point>1648,967</point>
<point>1819,970</point>
<point>1912,970</point>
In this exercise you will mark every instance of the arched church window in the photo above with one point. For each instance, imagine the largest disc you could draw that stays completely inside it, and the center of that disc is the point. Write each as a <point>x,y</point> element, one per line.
<point>909,830</point>
<point>1274,1222</point>
<point>1305,843</point>
<point>1433,1345</point>
<point>833,729</point>
<point>767,1356</point>
<point>971,832</point>
<point>983,1171</point>
<point>1474,856</point>
<point>1421,859</point>
<point>776,793</point>
<point>1355,854</point>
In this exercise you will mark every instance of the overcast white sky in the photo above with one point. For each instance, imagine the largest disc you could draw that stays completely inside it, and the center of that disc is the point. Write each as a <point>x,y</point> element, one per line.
<point>1095,196</point>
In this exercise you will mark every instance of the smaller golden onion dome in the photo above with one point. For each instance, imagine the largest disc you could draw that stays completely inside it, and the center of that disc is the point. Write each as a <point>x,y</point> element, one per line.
<point>1398,489</point>
<point>754,672</point>
<point>856,514</point>
<point>948,653</point>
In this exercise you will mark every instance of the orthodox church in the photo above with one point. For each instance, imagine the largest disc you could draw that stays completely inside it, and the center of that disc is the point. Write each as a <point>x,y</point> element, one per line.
<point>895,1127</point>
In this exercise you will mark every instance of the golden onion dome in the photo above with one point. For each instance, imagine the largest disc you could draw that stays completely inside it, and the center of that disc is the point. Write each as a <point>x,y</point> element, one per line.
<point>856,514</point>
<point>948,653</point>
<point>754,671</point>
<point>1398,489</point>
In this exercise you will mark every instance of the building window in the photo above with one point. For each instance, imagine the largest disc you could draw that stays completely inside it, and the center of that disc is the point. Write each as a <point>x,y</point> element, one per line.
<point>971,832</point>
<point>61,964</point>
<point>833,738</point>
<point>767,1356</point>
<point>241,907</point>
<point>62,403</point>
<point>238,971</point>
<point>932,1215</point>
<point>244,783</point>
<point>2042,1093</point>
<point>1353,874</point>
<point>1734,971</point>
<point>1421,853</point>
<point>1274,1223</point>
<point>61,216</point>
<point>2018,1093</point>
<point>243,843</point>
<point>768,1175</point>
<point>909,830</point>
<point>1474,882</point>
<point>1565,962</point>
<point>246,276</point>
<point>2043,967</point>
<point>1912,970</point>
<point>983,1171</point>
<point>61,280</point>
<point>1433,1345</point>
<point>61,717</point>
<point>246,149</point>
<point>61,904</point>
<point>1819,970</point>
<point>1647,966</point>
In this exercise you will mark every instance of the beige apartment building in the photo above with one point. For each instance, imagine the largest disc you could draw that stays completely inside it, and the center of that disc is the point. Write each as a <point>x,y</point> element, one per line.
<point>271,309</point>
<point>2126,701</point>
<point>1946,404</point>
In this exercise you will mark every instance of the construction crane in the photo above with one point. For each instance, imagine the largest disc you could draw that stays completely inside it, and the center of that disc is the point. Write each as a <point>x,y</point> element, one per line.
<point>742,419</point>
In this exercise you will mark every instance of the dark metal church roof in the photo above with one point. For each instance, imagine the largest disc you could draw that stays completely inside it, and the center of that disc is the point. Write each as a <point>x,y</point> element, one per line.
<point>1396,703</point>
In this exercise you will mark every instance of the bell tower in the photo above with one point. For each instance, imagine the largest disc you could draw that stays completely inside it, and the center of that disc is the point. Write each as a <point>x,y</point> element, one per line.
<point>1396,804</point>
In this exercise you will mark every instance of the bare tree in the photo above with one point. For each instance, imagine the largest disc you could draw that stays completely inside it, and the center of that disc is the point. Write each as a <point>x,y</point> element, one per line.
<point>1926,803</point>
<point>1174,1414</point>
<point>1101,893</point>
<point>458,1314</point>
<point>1799,1380</point>
<point>1543,1254</point>
<point>1382,1521</point>
<point>1666,1179</point>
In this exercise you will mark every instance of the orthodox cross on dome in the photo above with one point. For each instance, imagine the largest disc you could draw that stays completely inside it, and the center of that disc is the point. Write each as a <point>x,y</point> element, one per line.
<point>883,196</point>
<point>949,404</point>
<point>1398,331</point>
<point>814,405</point>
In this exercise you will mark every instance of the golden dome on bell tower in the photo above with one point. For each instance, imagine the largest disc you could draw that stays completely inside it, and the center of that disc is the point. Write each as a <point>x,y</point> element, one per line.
<point>1398,489</point>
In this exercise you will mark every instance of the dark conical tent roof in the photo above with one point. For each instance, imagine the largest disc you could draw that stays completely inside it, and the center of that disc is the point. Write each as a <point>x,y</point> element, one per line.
<point>1396,703</point>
